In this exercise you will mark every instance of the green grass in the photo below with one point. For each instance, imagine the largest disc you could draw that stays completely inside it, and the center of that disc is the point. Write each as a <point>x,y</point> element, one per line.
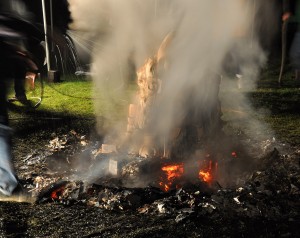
<point>70,102</point>
<point>73,98</point>
<point>69,97</point>
<point>286,127</point>
<point>282,102</point>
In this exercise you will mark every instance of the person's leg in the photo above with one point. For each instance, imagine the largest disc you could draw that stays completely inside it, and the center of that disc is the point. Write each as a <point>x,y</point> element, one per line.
<point>19,80</point>
<point>8,181</point>
<point>3,105</point>
<point>295,55</point>
<point>297,74</point>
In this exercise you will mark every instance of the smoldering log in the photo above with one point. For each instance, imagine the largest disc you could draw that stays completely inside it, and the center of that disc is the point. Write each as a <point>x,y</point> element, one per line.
<point>199,125</point>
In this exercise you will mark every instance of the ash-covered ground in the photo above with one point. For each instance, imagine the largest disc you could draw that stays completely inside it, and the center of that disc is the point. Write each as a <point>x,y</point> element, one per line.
<point>263,203</point>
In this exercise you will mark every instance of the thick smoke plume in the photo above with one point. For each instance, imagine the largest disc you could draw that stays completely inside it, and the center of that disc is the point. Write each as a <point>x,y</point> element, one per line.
<point>209,37</point>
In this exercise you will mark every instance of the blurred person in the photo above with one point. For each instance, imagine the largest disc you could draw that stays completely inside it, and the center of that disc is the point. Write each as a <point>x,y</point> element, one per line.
<point>291,12</point>
<point>18,73</point>
<point>23,68</point>
<point>13,28</point>
<point>21,60</point>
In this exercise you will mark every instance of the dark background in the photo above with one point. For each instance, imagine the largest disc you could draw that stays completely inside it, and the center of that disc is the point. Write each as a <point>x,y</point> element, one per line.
<point>267,21</point>
<point>61,14</point>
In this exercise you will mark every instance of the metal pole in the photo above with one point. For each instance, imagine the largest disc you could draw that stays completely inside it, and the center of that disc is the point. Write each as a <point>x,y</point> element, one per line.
<point>51,23</point>
<point>46,35</point>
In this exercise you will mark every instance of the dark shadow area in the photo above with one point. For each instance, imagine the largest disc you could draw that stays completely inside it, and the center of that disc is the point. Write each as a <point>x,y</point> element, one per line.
<point>34,121</point>
<point>278,102</point>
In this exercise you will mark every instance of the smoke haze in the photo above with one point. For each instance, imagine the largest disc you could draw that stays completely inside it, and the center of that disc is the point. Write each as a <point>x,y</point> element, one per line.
<point>127,32</point>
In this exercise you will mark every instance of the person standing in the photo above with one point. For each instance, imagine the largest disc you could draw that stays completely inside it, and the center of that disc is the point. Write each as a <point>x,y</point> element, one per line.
<point>291,12</point>
<point>12,15</point>
<point>8,181</point>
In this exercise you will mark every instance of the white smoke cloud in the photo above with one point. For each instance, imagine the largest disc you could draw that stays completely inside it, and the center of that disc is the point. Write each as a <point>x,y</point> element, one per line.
<point>205,31</point>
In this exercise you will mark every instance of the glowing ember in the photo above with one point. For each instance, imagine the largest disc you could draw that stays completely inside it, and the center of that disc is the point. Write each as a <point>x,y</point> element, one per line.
<point>234,154</point>
<point>206,176</point>
<point>207,169</point>
<point>172,173</point>
<point>56,193</point>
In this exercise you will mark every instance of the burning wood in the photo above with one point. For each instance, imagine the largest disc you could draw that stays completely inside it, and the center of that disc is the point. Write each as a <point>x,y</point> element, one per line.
<point>107,149</point>
<point>150,86</point>
<point>172,172</point>
<point>113,167</point>
<point>53,191</point>
<point>208,169</point>
<point>196,128</point>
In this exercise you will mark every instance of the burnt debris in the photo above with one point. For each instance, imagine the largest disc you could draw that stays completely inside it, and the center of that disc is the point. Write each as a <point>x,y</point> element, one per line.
<point>271,191</point>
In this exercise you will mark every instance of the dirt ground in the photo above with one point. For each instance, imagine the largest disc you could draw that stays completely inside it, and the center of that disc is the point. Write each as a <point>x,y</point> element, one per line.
<point>31,146</point>
<point>27,220</point>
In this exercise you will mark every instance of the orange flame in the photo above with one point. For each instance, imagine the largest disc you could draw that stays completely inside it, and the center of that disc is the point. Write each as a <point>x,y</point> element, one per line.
<point>206,170</point>
<point>56,193</point>
<point>172,172</point>
<point>206,176</point>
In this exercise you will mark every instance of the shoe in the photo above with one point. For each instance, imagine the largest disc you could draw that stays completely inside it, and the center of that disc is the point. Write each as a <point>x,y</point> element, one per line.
<point>8,182</point>
<point>13,99</point>
<point>21,99</point>
<point>20,192</point>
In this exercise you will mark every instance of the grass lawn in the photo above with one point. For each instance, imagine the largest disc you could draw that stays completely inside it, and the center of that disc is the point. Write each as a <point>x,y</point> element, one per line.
<point>73,98</point>
<point>282,102</point>
<point>70,97</point>
<point>69,102</point>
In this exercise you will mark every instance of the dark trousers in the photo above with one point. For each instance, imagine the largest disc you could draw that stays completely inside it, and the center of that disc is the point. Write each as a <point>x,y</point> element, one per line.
<point>19,75</point>
<point>4,77</point>
<point>11,67</point>
<point>295,51</point>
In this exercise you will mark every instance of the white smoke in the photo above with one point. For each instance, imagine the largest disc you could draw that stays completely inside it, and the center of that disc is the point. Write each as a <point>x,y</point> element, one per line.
<point>206,31</point>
